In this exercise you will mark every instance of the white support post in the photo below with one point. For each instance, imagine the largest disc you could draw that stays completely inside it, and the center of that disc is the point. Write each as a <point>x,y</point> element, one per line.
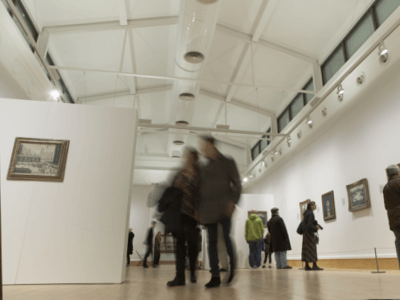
<point>43,43</point>
<point>318,83</point>
<point>122,10</point>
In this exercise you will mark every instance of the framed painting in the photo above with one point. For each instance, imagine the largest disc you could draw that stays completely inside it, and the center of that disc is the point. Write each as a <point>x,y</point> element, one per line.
<point>303,208</point>
<point>358,194</point>
<point>262,215</point>
<point>328,206</point>
<point>38,160</point>
<point>168,243</point>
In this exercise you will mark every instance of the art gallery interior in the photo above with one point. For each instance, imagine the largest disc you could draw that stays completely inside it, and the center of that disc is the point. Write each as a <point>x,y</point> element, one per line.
<point>304,95</point>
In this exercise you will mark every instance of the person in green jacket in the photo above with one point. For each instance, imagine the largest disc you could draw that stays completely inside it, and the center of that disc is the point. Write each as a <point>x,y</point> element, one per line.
<point>254,232</point>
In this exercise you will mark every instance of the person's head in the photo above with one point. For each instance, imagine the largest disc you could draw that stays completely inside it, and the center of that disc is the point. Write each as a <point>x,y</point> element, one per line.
<point>159,233</point>
<point>392,170</point>
<point>130,229</point>
<point>153,224</point>
<point>208,147</point>
<point>275,211</point>
<point>191,157</point>
<point>253,212</point>
<point>311,206</point>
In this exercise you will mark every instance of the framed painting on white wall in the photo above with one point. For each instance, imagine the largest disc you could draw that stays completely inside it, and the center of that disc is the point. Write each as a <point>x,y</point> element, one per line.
<point>358,194</point>
<point>328,206</point>
<point>38,160</point>
<point>303,208</point>
<point>262,215</point>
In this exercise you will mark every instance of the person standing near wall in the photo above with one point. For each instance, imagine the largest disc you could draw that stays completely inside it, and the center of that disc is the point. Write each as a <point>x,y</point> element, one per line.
<point>149,243</point>
<point>268,250</point>
<point>309,248</point>
<point>220,189</point>
<point>279,239</point>
<point>391,194</point>
<point>254,232</point>
<point>131,235</point>
<point>157,250</point>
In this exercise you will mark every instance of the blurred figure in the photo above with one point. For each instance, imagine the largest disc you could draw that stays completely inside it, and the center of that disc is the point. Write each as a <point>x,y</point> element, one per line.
<point>254,232</point>
<point>187,181</point>
<point>220,190</point>
<point>199,246</point>
<point>131,235</point>
<point>268,250</point>
<point>309,249</point>
<point>157,250</point>
<point>280,239</point>
<point>222,253</point>
<point>391,194</point>
<point>149,243</point>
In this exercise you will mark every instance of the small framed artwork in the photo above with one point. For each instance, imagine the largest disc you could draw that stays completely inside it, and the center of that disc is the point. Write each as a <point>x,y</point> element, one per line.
<point>168,243</point>
<point>358,194</point>
<point>328,205</point>
<point>262,215</point>
<point>38,160</point>
<point>303,208</point>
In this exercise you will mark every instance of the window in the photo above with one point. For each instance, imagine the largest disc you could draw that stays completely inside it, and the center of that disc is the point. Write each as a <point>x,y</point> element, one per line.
<point>309,87</point>
<point>297,105</point>
<point>384,8</point>
<point>264,143</point>
<point>283,120</point>
<point>255,151</point>
<point>333,63</point>
<point>359,35</point>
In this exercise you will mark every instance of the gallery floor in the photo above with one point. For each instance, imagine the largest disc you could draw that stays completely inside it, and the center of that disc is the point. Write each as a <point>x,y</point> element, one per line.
<point>250,284</point>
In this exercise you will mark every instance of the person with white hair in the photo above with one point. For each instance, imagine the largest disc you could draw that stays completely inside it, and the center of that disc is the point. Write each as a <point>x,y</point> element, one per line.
<point>391,195</point>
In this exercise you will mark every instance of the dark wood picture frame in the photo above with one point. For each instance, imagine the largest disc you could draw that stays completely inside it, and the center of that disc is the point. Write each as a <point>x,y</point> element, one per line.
<point>302,210</point>
<point>363,183</point>
<point>264,217</point>
<point>166,241</point>
<point>333,214</point>
<point>59,159</point>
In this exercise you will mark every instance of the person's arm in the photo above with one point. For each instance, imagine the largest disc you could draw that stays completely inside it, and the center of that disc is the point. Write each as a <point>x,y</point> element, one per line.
<point>261,225</point>
<point>235,179</point>
<point>283,229</point>
<point>246,231</point>
<point>310,223</point>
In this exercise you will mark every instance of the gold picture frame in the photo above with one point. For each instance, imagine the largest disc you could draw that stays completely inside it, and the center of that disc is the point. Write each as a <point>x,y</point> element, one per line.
<point>358,194</point>
<point>38,160</point>
<point>328,206</point>
<point>303,207</point>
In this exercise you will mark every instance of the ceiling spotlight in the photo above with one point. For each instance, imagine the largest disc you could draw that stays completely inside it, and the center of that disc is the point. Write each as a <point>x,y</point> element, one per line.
<point>55,94</point>
<point>383,53</point>
<point>324,112</point>
<point>289,140</point>
<point>262,164</point>
<point>245,179</point>
<point>309,122</point>
<point>276,152</point>
<point>299,134</point>
<point>340,92</point>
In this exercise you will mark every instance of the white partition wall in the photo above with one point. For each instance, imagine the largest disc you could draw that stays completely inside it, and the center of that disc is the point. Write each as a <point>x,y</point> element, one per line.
<point>74,231</point>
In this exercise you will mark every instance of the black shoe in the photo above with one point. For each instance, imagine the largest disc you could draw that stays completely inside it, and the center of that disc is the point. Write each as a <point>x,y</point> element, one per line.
<point>231,276</point>
<point>145,267</point>
<point>316,268</point>
<point>263,266</point>
<point>193,278</point>
<point>288,267</point>
<point>176,282</point>
<point>307,268</point>
<point>223,270</point>
<point>214,282</point>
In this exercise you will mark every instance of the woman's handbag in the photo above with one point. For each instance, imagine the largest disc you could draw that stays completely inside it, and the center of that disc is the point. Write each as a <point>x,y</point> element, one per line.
<point>170,206</point>
<point>316,237</point>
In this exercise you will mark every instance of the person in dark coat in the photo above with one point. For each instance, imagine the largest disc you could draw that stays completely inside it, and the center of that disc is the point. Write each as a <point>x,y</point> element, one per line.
<point>149,243</point>
<point>131,235</point>
<point>279,239</point>
<point>391,194</point>
<point>268,249</point>
<point>220,189</point>
<point>157,250</point>
<point>309,248</point>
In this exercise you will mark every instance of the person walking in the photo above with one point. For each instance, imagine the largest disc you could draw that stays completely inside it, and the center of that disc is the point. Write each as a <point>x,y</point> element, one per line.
<point>391,194</point>
<point>309,248</point>
<point>222,253</point>
<point>220,189</point>
<point>268,250</point>
<point>131,235</point>
<point>149,243</point>
<point>157,250</point>
<point>279,239</point>
<point>254,232</point>
<point>187,181</point>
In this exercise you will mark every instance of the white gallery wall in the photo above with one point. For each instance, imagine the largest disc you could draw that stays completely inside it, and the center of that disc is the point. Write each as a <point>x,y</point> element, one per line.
<point>74,231</point>
<point>360,142</point>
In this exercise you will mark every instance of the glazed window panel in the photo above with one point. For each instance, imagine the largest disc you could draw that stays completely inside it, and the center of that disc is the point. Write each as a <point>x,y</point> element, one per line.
<point>255,151</point>
<point>297,105</point>
<point>283,120</point>
<point>264,143</point>
<point>384,8</point>
<point>333,64</point>
<point>359,35</point>
<point>309,87</point>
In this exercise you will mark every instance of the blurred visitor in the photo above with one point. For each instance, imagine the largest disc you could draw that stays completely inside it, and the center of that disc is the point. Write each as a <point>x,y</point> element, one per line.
<point>149,243</point>
<point>268,250</point>
<point>254,231</point>
<point>131,235</point>
<point>222,253</point>
<point>157,250</point>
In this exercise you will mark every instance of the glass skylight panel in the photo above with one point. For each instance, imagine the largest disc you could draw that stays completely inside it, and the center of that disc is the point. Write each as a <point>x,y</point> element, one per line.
<point>283,120</point>
<point>264,143</point>
<point>297,105</point>
<point>309,87</point>
<point>384,8</point>
<point>255,151</point>
<point>333,64</point>
<point>359,35</point>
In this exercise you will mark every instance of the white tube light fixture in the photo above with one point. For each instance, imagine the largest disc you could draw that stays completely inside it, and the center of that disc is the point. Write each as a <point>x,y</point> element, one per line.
<point>340,92</point>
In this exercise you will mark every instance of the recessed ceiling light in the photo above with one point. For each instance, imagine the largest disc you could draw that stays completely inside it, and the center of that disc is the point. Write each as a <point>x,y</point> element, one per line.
<point>182,123</point>
<point>194,57</point>
<point>178,143</point>
<point>186,97</point>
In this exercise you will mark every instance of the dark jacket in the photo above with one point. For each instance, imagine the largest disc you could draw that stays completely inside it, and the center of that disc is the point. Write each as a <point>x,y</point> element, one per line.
<point>392,201</point>
<point>309,221</point>
<point>219,184</point>
<point>130,242</point>
<point>170,206</point>
<point>149,238</point>
<point>268,244</point>
<point>279,235</point>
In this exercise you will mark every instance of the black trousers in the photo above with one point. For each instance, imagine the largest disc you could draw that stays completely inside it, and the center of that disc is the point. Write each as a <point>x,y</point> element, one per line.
<point>148,252</point>
<point>128,259</point>
<point>157,255</point>
<point>187,235</point>
<point>266,256</point>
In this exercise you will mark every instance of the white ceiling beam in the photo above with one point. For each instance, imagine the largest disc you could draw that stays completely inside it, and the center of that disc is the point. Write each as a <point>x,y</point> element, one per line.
<point>123,13</point>
<point>260,22</point>
<point>113,25</point>
<point>238,103</point>
<point>162,77</point>
<point>249,39</point>
<point>228,140</point>
<point>155,89</point>
<point>318,82</point>
<point>43,43</point>
<point>132,80</point>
